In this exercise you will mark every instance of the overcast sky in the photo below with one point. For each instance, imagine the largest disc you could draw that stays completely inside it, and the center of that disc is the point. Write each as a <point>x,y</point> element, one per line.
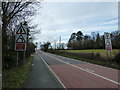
<point>64,18</point>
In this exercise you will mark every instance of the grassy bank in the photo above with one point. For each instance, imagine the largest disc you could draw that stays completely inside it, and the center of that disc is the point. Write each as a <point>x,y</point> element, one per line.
<point>88,57</point>
<point>102,52</point>
<point>16,77</point>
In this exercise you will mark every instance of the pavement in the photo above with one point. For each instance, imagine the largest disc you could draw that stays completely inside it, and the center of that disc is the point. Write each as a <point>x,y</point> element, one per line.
<point>54,71</point>
<point>40,75</point>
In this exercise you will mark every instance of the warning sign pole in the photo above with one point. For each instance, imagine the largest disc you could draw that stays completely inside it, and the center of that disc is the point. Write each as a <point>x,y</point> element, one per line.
<point>24,58</point>
<point>110,56</point>
<point>17,58</point>
<point>20,41</point>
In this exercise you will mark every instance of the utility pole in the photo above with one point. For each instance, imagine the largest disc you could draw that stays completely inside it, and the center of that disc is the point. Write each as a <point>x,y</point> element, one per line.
<point>55,43</point>
<point>36,43</point>
<point>39,44</point>
<point>60,42</point>
<point>94,37</point>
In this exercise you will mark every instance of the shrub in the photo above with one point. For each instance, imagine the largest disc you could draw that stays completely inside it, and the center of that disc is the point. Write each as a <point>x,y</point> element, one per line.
<point>117,58</point>
<point>97,55</point>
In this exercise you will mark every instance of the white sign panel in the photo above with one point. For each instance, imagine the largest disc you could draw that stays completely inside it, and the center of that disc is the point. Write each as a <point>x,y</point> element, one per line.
<point>20,37</point>
<point>108,44</point>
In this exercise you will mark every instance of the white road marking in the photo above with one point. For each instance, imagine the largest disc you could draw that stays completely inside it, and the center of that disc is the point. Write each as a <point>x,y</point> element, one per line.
<point>0,75</point>
<point>86,70</point>
<point>89,70</point>
<point>104,67</point>
<point>89,63</point>
<point>53,73</point>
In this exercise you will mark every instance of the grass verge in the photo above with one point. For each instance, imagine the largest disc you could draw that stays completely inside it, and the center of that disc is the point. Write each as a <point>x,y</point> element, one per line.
<point>102,52</point>
<point>16,77</point>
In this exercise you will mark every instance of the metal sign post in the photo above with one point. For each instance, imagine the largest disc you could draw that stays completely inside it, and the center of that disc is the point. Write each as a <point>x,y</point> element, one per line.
<point>108,45</point>
<point>24,57</point>
<point>20,40</point>
<point>17,58</point>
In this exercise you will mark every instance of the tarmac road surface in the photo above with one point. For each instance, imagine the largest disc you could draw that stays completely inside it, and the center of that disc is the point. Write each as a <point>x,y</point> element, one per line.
<point>72,73</point>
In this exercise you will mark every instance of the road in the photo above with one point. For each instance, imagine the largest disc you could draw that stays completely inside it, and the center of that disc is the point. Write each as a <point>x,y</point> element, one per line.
<point>72,73</point>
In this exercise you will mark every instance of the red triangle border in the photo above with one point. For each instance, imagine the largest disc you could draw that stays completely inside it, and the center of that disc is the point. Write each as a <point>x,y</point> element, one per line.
<point>22,29</point>
<point>18,39</point>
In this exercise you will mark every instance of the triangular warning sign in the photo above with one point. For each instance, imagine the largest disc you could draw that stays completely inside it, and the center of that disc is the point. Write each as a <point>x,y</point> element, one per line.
<point>20,39</point>
<point>21,30</point>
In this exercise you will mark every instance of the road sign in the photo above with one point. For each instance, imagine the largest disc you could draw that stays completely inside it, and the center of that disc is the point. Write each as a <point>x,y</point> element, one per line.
<point>108,44</point>
<point>21,29</point>
<point>20,37</point>
<point>20,46</point>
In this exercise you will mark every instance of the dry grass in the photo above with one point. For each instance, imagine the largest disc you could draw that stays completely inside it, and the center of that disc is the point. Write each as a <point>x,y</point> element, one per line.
<point>102,52</point>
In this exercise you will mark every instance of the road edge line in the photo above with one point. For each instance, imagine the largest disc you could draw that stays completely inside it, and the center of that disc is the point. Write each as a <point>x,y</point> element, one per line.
<point>53,73</point>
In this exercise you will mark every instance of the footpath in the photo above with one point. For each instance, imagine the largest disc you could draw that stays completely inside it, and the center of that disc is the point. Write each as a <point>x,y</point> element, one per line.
<point>40,76</point>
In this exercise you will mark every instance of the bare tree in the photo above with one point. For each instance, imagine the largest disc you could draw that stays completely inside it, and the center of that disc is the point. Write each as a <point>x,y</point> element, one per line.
<point>15,12</point>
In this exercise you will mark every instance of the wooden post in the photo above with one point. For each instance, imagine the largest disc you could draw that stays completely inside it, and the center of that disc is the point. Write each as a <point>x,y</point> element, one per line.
<point>110,56</point>
<point>107,56</point>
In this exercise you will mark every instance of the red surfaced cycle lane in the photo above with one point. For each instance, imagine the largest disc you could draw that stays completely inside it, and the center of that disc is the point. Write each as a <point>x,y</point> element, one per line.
<point>75,78</point>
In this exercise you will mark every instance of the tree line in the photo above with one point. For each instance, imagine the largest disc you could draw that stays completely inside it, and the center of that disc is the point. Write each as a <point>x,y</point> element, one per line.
<point>14,13</point>
<point>79,41</point>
